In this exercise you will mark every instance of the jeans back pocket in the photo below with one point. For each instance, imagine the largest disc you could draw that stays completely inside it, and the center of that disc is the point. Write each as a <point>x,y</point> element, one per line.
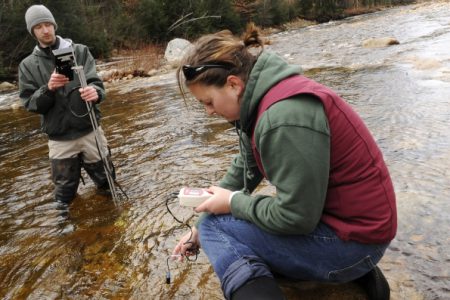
<point>352,272</point>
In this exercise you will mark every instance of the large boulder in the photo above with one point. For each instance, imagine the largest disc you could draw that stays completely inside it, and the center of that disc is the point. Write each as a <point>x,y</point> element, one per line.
<point>6,86</point>
<point>175,50</point>
<point>380,42</point>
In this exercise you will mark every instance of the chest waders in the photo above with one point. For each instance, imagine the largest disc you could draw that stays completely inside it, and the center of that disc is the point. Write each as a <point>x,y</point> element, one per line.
<point>96,172</point>
<point>66,174</point>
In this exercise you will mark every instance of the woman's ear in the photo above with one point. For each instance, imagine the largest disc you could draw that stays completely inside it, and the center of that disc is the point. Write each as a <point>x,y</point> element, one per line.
<point>236,84</point>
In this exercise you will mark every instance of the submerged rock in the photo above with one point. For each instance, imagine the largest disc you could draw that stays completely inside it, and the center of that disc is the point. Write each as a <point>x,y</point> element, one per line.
<point>380,42</point>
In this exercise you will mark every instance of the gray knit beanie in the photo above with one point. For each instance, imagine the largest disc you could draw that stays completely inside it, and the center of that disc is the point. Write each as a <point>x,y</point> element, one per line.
<point>37,14</point>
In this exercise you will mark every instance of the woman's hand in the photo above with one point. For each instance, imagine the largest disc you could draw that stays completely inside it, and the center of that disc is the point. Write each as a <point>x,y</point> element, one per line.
<point>188,245</point>
<point>218,203</point>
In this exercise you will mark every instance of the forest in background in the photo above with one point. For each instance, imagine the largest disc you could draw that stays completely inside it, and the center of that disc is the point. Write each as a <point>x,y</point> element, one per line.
<point>105,25</point>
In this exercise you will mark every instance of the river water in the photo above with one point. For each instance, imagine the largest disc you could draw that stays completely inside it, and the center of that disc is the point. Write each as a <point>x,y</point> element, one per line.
<point>159,144</point>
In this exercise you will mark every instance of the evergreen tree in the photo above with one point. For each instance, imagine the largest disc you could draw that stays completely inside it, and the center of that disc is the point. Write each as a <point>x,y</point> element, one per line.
<point>15,40</point>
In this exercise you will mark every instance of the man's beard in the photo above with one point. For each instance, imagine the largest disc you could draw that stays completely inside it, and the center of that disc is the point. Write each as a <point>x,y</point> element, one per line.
<point>45,44</point>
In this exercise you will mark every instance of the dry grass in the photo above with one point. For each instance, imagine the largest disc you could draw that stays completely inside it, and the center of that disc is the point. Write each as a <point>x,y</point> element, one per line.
<point>362,10</point>
<point>145,58</point>
<point>136,62</point>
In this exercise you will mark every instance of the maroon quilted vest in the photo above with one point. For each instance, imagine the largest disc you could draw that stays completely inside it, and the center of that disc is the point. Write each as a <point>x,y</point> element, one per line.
<point>360,202</point>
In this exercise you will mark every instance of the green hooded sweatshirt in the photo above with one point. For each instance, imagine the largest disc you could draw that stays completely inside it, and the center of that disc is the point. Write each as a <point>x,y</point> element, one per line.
<point>293,140</point>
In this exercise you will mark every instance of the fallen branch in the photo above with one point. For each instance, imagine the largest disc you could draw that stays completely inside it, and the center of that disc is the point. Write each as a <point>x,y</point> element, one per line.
<point>173,26</point>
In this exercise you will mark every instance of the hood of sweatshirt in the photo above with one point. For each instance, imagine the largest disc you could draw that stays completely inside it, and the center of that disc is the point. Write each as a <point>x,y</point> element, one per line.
<point>268,70</point>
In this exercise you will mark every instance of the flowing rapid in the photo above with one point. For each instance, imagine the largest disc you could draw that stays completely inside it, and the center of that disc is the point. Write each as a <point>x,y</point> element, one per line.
<point>160,144</point>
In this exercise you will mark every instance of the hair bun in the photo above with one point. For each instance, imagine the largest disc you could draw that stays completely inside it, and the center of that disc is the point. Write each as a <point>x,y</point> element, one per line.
<point>252,36</point>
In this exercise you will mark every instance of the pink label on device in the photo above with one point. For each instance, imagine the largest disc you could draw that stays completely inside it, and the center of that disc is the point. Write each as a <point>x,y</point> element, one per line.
<point>193,191</point>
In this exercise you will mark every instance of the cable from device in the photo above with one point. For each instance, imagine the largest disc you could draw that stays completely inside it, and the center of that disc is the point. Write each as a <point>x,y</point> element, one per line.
<point>194,250</point>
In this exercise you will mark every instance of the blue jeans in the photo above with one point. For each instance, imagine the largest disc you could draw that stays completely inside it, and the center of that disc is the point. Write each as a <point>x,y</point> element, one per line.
<point>240,251</point>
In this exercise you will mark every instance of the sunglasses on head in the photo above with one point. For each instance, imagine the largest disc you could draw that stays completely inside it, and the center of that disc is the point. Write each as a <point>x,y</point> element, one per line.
<point>190,72</point>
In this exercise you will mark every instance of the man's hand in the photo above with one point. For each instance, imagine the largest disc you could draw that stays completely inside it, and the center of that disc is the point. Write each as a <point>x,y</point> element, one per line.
<point>56,81</point>
<point>89,94</point>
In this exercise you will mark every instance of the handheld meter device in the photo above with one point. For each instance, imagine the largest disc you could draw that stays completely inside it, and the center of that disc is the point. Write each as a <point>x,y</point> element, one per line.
<point>192,197</point>
<point>64,61</point>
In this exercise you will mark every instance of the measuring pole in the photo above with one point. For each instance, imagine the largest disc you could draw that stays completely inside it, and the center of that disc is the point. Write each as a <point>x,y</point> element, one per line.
<point>82,77</point>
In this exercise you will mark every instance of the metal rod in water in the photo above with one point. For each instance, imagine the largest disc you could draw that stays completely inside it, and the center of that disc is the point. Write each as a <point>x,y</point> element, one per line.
<point>82,77</point>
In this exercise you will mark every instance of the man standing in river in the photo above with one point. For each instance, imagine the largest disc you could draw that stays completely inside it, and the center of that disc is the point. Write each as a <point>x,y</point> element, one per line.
<point>61,103</point>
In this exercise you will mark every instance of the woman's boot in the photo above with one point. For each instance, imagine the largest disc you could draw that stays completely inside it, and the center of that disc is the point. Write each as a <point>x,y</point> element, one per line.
<point>375,285</point>
<point>261,288</point>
